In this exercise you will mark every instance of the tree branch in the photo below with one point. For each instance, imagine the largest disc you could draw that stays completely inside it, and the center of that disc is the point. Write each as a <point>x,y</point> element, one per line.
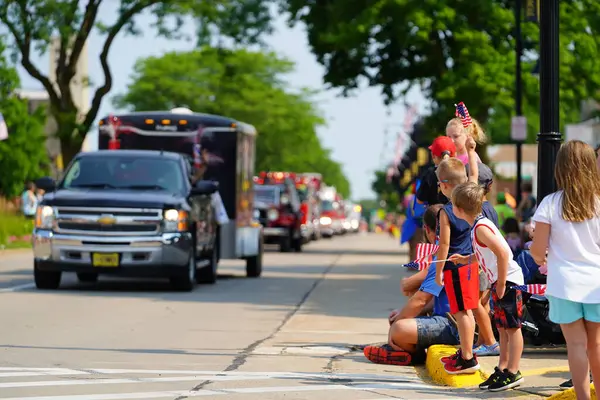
<point>24,45</point>
<point>112,33</point>
<point>87,23</point>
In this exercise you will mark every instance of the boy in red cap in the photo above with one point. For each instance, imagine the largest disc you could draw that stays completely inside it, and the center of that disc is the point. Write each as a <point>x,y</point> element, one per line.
<point>429,192</point>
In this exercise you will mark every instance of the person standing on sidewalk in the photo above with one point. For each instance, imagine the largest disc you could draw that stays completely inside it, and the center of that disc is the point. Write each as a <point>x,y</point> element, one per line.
<point>29,201</point>
<point>495,257</point>
<point>567,238</point>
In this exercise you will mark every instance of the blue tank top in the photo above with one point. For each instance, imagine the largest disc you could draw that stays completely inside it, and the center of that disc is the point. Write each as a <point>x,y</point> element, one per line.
<point>460,233</point>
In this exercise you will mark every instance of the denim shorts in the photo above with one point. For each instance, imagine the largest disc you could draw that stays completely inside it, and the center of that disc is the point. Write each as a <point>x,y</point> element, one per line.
<point>564,311</point>
<point>435,330</point>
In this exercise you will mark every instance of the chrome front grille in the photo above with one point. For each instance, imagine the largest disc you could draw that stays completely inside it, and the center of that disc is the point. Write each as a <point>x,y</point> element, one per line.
<point>108,221</point>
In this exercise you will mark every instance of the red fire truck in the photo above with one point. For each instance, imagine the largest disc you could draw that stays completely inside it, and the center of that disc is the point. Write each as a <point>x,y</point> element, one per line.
<point>308,186</point>
<point>278,209</point>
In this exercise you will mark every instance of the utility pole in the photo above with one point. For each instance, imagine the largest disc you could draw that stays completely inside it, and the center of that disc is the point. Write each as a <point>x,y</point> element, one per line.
<point>519,94</point>
<point>549,137</point>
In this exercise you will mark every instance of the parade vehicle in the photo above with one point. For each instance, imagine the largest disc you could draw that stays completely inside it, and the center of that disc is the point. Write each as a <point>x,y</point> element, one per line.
<point>353,212</point>
<point>331,220</point>
<point>278,209</point>
<point>218,154</point>
<point>308,185</point>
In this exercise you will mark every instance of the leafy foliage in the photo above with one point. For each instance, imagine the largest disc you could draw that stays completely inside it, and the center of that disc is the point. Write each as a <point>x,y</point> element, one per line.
<point>23,155</point>
<point>244,85</point>
<point>455,51</point>
<point>33,23</point>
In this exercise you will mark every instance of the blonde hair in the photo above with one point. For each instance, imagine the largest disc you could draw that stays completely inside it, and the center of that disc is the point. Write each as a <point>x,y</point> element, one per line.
<point>469,198</point>
<point>577,175</point>
<point>452,171</point>
<point>474,130</point>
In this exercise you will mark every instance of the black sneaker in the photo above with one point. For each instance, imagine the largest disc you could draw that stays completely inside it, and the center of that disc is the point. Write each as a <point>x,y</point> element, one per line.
<point>566,385</point>
<point>569,384</point>
<point>507,381</point>
<point>492,379</point>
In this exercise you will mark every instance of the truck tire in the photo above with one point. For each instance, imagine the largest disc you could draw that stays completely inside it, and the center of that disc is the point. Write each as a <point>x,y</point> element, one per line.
<point>46,279</point>
<point>254,264</point>
<point>297,243</point>
<point>285,245</point>
<point>87,277</point>
<point>184,282</point>
<point>208,274</point>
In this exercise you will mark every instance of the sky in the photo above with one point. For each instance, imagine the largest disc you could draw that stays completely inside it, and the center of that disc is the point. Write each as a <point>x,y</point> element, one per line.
<point>356,126</point>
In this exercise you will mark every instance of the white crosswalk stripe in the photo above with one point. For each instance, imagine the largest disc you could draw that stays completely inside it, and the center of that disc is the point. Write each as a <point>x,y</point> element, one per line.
<point>61,383</point>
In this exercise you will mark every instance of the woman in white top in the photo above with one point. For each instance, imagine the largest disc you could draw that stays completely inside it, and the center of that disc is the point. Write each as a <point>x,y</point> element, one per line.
<point>567,229</point>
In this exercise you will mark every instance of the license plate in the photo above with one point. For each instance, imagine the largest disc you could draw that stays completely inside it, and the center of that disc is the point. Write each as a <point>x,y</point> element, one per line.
<point>110,260</point>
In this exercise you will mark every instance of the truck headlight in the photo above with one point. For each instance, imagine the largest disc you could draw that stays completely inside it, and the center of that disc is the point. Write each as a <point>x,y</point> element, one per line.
<point>256,214</point>
<point>175,220</point>
<point>44,217</point>
<point>272,214</point>
<point>325,221</point>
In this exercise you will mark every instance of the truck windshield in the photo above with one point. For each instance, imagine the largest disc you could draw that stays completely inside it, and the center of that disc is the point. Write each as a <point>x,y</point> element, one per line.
<point>327,205</point>
<point>302,193</point>
<point>266,194</point>
<point>125,172</point>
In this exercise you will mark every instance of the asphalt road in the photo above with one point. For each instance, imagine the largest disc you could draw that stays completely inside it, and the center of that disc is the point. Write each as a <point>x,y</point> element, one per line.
<point>288,335</point>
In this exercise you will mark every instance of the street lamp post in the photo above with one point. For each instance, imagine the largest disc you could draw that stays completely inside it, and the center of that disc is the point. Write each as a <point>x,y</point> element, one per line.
<point>549,137</point>
<point>519,93</point>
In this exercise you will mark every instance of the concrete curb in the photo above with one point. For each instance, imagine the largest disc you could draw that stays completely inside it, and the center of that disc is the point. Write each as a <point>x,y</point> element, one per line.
<point>436,371</point>
<point>570,394</point>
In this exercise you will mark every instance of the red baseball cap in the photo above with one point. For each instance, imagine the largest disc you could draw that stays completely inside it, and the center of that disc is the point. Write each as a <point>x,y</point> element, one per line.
<point>442,144</point>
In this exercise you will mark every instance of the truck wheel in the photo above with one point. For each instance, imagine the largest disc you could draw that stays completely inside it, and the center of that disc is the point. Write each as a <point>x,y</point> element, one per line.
<point>46,279</point>
<point>297,244</point>
<point>254,264</point>
<point>208,274</point>
<point>87,277</point>
<point>185,282</point>
<point>285,245</point>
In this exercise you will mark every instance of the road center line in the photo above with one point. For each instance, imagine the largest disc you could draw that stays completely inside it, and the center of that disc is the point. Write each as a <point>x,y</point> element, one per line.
<point>18,287</point>
<point>73,382</point>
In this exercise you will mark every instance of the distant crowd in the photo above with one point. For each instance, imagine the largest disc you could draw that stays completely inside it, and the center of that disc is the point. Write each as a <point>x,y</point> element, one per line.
<point>482,259</point>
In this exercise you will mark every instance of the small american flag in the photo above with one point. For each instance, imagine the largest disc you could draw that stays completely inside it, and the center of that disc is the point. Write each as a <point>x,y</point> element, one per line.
<point>424,253</point>
<point>3,128</point>
<point>463,114</point>
<point>536,288</point>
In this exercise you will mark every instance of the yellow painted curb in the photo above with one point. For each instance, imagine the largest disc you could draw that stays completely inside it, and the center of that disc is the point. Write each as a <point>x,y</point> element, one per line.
<point>436,371</point>
<point>570,394</point>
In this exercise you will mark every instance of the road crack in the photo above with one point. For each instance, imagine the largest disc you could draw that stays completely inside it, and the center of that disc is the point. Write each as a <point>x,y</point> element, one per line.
<point>241,358</point>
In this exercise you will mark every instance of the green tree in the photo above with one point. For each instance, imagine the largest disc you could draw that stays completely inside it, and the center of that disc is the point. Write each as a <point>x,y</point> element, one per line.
<point>453,50</point>
<point>385,191</point>
<point>245,85</point>
<point>33,23</point>
<point>23,155</point>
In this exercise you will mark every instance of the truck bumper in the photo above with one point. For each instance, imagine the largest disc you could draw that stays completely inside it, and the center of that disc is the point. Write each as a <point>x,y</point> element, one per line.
<point>153,256</point>
<point>275,232</point>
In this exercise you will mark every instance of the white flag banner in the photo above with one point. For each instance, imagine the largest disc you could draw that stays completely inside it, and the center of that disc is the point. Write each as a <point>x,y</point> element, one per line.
<point>3,128</point>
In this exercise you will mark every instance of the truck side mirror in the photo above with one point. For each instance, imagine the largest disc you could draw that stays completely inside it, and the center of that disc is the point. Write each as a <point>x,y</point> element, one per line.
<point>205,188</point>
<point>46,183</point>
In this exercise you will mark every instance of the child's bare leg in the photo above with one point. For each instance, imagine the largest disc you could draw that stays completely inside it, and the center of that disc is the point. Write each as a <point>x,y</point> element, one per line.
<point>504,350</point>
<point>466,332</point>
<point>486,334</point>
<point>515,349</point>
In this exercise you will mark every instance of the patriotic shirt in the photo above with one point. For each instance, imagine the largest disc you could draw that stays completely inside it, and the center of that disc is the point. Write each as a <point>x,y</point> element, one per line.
<point>487,259</point>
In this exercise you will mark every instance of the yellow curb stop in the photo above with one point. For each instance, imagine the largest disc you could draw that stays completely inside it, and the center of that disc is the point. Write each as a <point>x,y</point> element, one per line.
<point>570,394</point>
<point>436,371</point>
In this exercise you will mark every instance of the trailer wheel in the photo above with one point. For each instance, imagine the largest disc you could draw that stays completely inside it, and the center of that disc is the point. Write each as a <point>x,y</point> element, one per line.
<point>208,274</point>
<point>285,244</point>
<point>254,264</point>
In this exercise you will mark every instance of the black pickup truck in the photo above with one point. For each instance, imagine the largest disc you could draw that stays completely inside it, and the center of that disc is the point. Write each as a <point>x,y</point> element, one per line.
<point>130,213</point>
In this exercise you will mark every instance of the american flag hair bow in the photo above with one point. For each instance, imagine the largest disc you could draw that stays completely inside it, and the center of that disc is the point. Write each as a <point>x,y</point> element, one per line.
<point>463,114</point>
<point>536,288</point>
<point>424,253</point>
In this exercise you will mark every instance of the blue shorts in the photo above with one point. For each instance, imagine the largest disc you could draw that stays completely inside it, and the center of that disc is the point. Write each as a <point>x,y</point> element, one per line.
<point>435,330</point>
<point>566,311</point>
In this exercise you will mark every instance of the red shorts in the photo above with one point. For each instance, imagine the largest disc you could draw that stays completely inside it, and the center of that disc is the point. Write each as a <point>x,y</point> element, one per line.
<point>462,287</point>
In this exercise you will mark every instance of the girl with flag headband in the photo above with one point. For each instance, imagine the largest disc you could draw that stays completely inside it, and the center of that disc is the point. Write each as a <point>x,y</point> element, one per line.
<point>460,128</point>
